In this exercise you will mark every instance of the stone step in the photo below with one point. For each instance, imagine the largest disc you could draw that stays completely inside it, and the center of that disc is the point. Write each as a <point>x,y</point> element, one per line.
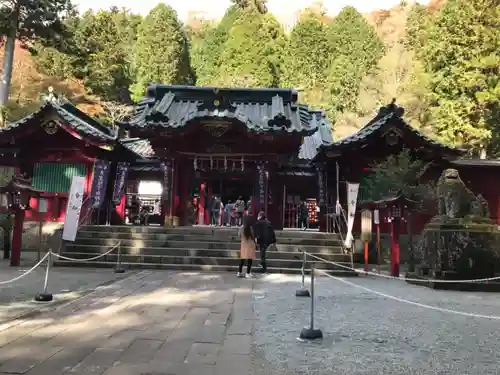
<point>196,267</point>
<point>202,263</point>
<point>197,230</point>
<point>133,253</point>
<point>216,237</point>
<point>136,245</point>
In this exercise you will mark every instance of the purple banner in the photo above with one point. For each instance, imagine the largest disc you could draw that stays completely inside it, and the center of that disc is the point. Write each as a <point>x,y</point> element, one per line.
<point>99,183</point>
<point>120,180</point>
<point>261,187</point>
<point>166,168</point>
<point>321,186</point>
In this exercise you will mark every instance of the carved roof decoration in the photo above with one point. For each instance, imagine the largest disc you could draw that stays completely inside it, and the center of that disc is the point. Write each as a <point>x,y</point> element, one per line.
<point>139,146</point>
<point>322,136</point>
<point>67,115</point>
<point>261,110</point>
<point>387,123</point>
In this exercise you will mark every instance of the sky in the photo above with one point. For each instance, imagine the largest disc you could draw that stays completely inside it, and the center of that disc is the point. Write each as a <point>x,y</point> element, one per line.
<point>216,8</point>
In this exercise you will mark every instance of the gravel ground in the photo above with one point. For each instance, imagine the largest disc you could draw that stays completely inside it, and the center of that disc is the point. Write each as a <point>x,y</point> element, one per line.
<point>368,334</point>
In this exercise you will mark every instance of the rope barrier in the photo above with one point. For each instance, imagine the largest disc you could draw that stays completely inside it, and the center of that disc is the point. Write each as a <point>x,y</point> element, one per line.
<point>27,272</point>
<point>88,259</point>
<point>47,297</point>
<point>418,304</point>
<point>406,278</point>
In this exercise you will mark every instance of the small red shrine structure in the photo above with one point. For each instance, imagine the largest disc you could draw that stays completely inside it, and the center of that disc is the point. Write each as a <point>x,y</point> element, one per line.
<point>18,191</point>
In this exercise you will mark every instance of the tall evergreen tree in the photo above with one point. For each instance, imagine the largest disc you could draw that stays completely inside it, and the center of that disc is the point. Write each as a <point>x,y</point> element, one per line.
<point>308,53</point>
<point>356,48</point>
<point>104,40</point>
<point>253,52</point>
<point>161,53</point>
<point>27,21</point>
<point>462,54</point>
<point>206,54</point>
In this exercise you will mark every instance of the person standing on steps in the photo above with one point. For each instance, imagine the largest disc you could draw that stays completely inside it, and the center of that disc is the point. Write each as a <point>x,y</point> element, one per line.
<point>215,208</point>
<point>248,247</point>
<point>303,212</point>
<point>265,235</point>
<point>239,207</point>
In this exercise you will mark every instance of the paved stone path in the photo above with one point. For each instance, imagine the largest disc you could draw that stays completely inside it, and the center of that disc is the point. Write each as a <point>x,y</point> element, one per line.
<point>153,322</point>
<point>171,323</point>
<point>64,283</point>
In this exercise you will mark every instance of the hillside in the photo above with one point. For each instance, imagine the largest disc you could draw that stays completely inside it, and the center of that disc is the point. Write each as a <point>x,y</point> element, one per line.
<point>28,85</point>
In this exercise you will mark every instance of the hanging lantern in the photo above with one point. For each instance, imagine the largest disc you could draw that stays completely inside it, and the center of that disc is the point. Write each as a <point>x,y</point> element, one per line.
<point>195,163</point>
<point>242,163</point>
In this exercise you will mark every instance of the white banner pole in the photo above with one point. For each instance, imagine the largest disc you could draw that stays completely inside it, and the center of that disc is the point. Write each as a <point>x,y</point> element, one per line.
<point>352,200</point>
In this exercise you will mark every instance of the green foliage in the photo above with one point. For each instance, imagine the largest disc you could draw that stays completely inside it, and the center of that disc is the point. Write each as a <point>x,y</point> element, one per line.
<point>307,54</point>
<point>161,53</point>
<point>98,52</point>
<point>30,20</point>
<point>398,174</point>
<point>206,53</point>
<point>356,49</point>
<point>259,5</point>
<point>252,54</point>
<point>103,40</point>
<point>462,55</point>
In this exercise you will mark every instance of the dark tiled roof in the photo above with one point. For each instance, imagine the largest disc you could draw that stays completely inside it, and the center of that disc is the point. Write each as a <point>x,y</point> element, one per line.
<point>387,116</point>
<point>322,136</point>
<point>79,121</point>
<point>261,110</point>
<point>141,147</point>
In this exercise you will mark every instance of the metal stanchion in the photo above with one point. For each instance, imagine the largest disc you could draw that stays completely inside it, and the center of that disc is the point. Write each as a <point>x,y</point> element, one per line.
<point>119,268</point>
<point>45,296</point>
<point>311,333</point>
<point>303,292</point>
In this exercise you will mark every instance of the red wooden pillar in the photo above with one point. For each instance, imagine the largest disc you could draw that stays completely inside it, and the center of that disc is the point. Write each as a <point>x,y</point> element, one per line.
<point>201,205</point>
<point>395,231</point>
<point>207,202</point>
<point>17,238</point>
<point>183,191</point>
<point>175,191</point>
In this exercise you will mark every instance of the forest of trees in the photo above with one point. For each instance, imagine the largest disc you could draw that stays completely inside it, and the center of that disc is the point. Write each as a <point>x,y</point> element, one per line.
<point>442,63</point>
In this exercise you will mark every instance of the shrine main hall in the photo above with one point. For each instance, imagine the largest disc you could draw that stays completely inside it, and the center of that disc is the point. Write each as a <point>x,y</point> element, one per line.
<point>184,145</point>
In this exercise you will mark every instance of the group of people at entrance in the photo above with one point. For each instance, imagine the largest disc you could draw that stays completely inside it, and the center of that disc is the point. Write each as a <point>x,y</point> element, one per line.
<point>229,214</point>
<point>255,234</point>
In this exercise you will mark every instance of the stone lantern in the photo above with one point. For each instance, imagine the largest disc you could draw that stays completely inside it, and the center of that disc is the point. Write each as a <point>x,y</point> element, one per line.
<point>18,193</point>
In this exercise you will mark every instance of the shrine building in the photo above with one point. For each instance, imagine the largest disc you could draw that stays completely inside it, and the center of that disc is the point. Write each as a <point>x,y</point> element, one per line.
<point>183,145</point>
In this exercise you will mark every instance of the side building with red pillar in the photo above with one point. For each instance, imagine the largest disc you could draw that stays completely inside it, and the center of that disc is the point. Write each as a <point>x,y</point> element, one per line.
<point>50,146</point>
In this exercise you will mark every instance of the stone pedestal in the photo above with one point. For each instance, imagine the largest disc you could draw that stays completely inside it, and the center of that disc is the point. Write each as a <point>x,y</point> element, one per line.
<point>459,249</point>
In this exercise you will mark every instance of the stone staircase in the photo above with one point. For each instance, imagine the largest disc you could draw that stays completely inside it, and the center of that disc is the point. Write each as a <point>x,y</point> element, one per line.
<point>198,248</point>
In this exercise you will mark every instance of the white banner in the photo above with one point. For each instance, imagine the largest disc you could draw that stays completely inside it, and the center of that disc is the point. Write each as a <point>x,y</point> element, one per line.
<point>352,200</point>
<point>73,208</point>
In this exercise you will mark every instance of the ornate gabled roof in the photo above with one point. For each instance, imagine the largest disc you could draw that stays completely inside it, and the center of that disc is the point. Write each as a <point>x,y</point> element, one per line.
<point>139,146</point>
<point>322,136</point>
<point>77,120</point>
<point>261,110</point>
<point>388,122</point>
